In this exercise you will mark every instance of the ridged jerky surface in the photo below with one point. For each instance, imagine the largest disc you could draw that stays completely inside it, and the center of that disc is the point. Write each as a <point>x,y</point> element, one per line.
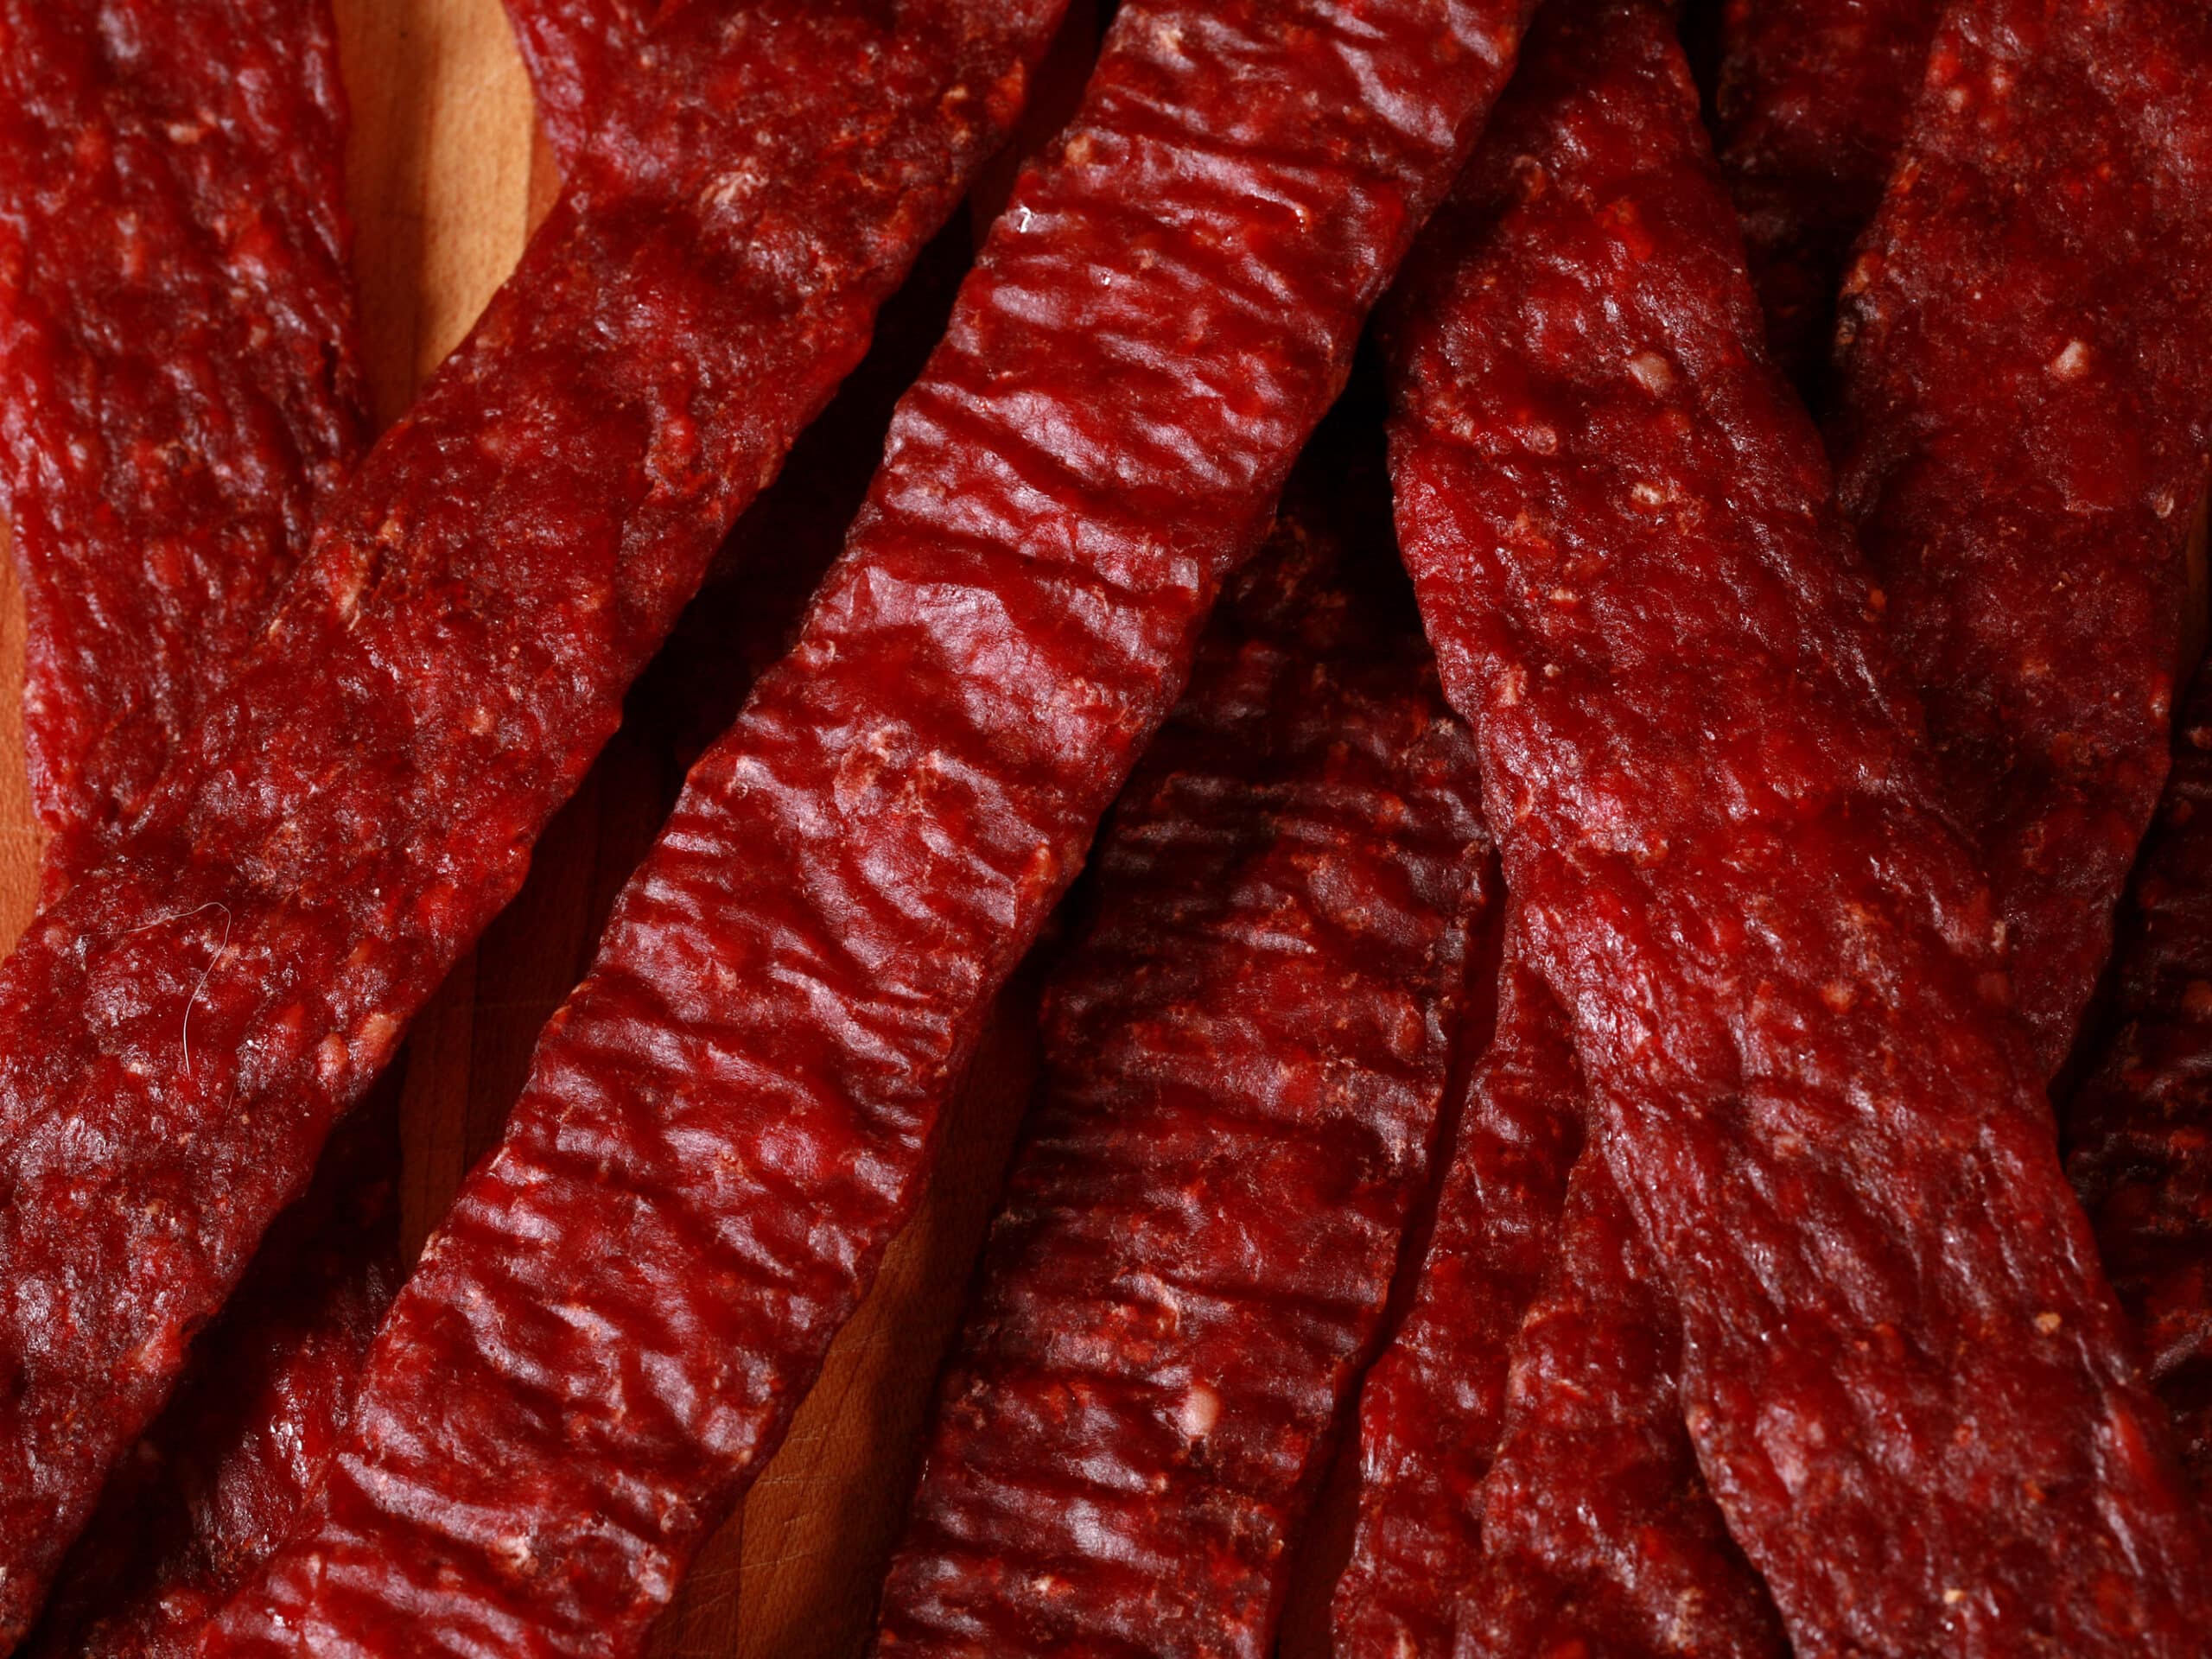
<point>1528,1479</point>
<point>2140,1129</point>
<point>2021,436</point>
<point>224,1472</point>
<point>1432,1406</point>
<point>1245,1055</point>
<point>179,1031</point>
<point>577,52</point>
<point>1815,96</point>
<point>733,1116</point>
<point>180,382</point>
<point>1597,1527</point>
<point>1906,1378</point>
<point>181,345</point>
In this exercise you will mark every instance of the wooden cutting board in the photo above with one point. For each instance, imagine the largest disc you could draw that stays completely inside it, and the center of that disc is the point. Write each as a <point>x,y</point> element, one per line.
<point>447,174</point>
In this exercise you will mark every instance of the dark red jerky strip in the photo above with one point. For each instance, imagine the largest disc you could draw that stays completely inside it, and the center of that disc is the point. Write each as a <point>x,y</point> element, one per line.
<point>2109,600</point>
<point>225,1469</point>
<point>2139,1129</point>
<point>1906,1378</point>
<point>1598,1535</point>
<point>1578,1515</point>
<point>577,52</point>
<point>178,1032</point>
<point>1432,1406</point>
<point>733,1116</point>
<point>2021,438</point>
<point>179,383</point>
<point>1246,1054</point>
<point>179,167</point>
<point>1813,100</point>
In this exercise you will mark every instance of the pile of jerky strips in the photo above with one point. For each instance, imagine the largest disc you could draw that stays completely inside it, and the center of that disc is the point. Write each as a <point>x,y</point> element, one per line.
<point>1682,1035</point>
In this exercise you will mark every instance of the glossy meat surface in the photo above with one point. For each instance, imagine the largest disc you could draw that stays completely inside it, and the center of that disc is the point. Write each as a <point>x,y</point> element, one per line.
<point>1527,1483</point>
<point>1906,1378</point>
<point>1246,1053</point>
<point>181,386</point>
<point>180,1030</point>
<point>733,1113</point>
<point>1432,1406</point>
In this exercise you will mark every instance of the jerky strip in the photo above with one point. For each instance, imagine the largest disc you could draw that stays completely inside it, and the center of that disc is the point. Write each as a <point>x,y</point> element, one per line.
<point>1432,1406</point>
<point>201,360</point>
<point>181,386</point>
<point>1904,1373</point>
<point>2112,592</point>
<point>1245,1056</point>
<point>1814,99</point>
<point>1577,1513</point>
<point>1596,1529</point>
<point>178,1032</point>
<point>2140,1125</point>
<point>577,52</point>
<point>731,1117</point>
<point>224,1472</point>
<point>2026,410</point>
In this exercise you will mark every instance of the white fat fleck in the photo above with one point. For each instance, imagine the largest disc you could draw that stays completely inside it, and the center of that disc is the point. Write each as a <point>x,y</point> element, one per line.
<point>2072,363</point>
<point>1652,372</point>
<point>1200,1411</point>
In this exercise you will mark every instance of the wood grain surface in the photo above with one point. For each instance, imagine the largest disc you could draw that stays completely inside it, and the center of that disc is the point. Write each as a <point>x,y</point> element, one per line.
<point>447,174</point>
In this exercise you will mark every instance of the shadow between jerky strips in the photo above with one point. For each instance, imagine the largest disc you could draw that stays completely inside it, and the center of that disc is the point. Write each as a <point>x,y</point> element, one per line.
<point>178,1032</point>
<point>1245,1054</point>
<point>731,1117</point>
<point>1717,813</point>
<point>1511,1509</point>
<point>180,385</point>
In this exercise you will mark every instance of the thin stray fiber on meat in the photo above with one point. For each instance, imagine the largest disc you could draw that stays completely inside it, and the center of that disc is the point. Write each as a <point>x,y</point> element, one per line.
<point>1815,97</point>
<point>180,1029</point>
<point>1246,1055</point>
<point>733,1113</point>
<point>181,385</point>
<point>1907,1381</point>
<point>1566,1505</point>
<point>2021,437</point>
<point>2139,1127</point>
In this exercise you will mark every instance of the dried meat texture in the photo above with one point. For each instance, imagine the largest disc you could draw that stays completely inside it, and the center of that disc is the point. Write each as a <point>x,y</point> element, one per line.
<point>1245,1058</point>
<point>1815,97</point>
<point>205,364</point>
<point>2111,600</point>
<point>2139,1129</point>
<point>180,1030</point>
<point>181,388</point>
<point>224,1472</point>
<point>1565,1505</point>
<point>1598,1536</point>
<point>1906,1379</point>
<point>731,1117</point>
<point>577,52</point>
<point>1432,1406</point>
<point>2021,440</point>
